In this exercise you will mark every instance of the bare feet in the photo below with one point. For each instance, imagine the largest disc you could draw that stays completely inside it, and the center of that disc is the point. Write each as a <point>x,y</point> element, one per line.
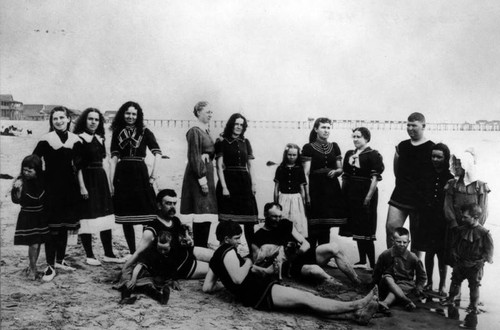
<point>365,314</point>
<point>410,306</point>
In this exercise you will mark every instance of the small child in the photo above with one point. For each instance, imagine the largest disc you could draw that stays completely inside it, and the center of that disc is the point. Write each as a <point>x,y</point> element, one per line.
<point>395,272</point>
<point>472,245</point>
<point>150,274</point>
<point>31,228</point>
<point>289,189</point>
<point>464,189</point>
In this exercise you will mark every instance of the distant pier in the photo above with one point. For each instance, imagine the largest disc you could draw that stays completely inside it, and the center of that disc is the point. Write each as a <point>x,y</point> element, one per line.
<point>337,124</point>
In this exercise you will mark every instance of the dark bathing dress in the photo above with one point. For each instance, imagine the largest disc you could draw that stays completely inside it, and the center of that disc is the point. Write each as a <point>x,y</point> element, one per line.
<point>31,227</point>
<point>432,224</point>
<point>97,210</point>
<point>241,206</point>
<point>134,198</point>
<point>62,204</point>
<point>356,184</point>
<point>328,206</point>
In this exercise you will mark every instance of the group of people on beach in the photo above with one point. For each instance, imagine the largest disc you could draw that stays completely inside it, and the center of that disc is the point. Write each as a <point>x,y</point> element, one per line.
<point>74,193</point>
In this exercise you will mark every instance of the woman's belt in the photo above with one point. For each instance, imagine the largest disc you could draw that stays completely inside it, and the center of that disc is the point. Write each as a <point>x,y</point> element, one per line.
<point>133,159</point>
<point>236,168</point>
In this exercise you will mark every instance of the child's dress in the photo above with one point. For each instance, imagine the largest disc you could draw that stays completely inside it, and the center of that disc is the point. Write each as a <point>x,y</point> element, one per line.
<point>31,225</point>
<point>458,194</point>
<point>290,180</point>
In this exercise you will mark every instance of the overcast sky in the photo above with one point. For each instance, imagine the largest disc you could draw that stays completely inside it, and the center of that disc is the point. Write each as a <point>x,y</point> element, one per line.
<point>276,60</point>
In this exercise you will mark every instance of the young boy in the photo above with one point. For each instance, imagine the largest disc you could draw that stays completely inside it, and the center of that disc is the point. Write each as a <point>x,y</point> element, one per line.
<point>472,245</point>
<point>150,274</point>
<point>395,272</point>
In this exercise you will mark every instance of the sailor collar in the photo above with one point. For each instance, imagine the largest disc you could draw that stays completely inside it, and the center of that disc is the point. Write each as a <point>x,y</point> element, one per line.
<point>55,141</point>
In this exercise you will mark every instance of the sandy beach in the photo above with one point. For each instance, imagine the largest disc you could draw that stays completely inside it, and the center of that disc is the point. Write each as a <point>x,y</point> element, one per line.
<point>84,299</point>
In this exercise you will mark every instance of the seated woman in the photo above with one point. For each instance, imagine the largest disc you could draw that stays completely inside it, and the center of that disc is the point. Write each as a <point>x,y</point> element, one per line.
<point>250,285</point>
<point>151,273</point>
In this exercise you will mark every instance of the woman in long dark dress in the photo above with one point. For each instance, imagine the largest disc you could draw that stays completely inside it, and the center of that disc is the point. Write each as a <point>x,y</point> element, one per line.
<point>363,167</point>
<point>61,186</point>
<point>97,206</point>
<point>432,224</point>
<point>134,196</point>
<point>236,187</point>
<point>198,187</point>
<point>322,166</point>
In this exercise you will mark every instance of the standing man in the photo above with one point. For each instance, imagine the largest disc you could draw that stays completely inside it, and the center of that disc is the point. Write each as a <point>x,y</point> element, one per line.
<point>412,169</point>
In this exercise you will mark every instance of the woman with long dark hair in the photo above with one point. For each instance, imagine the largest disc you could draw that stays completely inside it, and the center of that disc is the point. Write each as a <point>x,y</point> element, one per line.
<point>134,196</point>
<point>322,166</point>
<point>198,187</point>
<point>56,148</point>
<point>236,186</point>
<point>97,206</point>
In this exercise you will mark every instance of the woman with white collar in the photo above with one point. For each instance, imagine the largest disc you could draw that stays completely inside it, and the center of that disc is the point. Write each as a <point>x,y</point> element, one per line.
<point>362,167</point>
<point>97,206</point>
<point>198,201</point>
<point>56,148</point>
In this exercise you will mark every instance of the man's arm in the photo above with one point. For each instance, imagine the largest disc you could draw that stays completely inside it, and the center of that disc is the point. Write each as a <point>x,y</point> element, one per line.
<point>210,284</point>
<point>146,241</point>
<point>304,244</point>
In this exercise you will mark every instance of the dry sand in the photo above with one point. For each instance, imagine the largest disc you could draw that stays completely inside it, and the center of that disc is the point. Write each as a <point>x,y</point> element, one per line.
<point>84,299</point>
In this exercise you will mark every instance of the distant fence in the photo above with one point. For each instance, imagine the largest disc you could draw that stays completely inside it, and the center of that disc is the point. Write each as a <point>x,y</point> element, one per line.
<point>337,124</point>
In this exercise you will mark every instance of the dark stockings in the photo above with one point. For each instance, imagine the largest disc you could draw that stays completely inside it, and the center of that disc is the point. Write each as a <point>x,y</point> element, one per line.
<point>201,231</point>
<point>106,239</point>
<point>429,268</point>
<point>128,231</point>
<point>366,249</point>
<point>55,246</point>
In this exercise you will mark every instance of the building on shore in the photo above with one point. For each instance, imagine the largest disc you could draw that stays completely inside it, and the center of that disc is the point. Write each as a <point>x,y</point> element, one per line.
<point>9,108</point>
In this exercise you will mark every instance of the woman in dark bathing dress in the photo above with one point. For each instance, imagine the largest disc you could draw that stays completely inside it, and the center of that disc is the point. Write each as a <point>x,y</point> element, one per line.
<point>322,166</point>
<point>61,186</point>
<point>134,196</point>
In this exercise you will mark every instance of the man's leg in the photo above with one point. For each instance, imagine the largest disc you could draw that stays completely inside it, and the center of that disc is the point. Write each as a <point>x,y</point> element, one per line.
<point>325,252</point>
<point>395,218</point>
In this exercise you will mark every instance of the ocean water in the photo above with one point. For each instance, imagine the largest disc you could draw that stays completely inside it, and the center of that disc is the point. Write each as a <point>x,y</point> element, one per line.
<point>268,145</point>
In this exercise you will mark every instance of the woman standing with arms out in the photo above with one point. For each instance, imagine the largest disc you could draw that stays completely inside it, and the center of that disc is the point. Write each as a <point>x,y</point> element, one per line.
<point>61,186</point>
<point>134,196</point>
<point>198,198</point>
<point>289,188</point>
<point>97,206</point>
<point>236,186</point>
<point>322,167</point>
<point>363,167</point>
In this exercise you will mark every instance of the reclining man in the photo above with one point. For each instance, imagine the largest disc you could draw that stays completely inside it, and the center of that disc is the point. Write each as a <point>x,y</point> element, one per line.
<point>304,261</point>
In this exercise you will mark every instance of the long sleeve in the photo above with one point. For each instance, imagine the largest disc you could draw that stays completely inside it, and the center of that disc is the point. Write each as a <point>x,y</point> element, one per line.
<point>196,163</point>
<point>449,210</point>
<point>151,142</point>
<point>488,248</point>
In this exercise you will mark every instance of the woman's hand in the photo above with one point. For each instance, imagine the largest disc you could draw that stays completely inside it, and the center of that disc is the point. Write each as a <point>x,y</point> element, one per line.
<point>225,192</point>
<point>366,202</point>
<point>152,180</point>
<point>84,192</point>
<point>204,189</point>
<point>334,173</point>
<point>17,184</point>
<point>254,189</point>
